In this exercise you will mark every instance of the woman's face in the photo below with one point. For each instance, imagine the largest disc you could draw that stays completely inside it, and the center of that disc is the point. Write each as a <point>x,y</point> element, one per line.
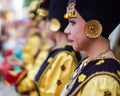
<point>75,32</point>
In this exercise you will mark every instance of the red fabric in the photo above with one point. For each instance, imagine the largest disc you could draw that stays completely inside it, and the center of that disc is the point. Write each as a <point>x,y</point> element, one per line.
<point>8,53</point>
<point>14,79</point>
<point>4,67</point>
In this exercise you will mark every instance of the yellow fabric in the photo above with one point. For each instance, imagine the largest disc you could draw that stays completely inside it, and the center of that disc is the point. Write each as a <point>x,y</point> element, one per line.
<point>55,77</point>
<point>38,62</point>
<point>27,84</point>
<point>99,85</point>
<point>30,48</point>
<point>40,58</point>
<point>45,46</point>
<point>33,93</point>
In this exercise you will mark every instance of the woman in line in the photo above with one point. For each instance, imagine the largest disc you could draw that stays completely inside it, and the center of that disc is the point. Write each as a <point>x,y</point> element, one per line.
<point>90,23</point>
<point>62,59</point>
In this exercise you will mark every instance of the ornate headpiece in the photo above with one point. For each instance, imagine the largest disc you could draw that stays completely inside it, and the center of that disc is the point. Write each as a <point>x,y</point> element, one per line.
<point>56,14</point>
<point>100,16</point>
<point>43,7</point>
<point>71,10</point>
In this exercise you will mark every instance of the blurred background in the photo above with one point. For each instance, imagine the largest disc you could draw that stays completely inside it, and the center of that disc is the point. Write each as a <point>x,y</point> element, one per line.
<point>14,23</point>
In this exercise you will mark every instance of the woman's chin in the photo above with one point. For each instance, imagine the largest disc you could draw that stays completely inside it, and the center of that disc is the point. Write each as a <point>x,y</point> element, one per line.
<point>75,48</point>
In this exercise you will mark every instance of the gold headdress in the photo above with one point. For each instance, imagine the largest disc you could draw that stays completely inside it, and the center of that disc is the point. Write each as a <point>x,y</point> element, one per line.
<point>71,10</point>
<point>42,10</point>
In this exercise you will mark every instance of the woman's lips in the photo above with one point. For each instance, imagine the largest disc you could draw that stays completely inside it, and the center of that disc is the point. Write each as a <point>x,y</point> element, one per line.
<point>71,41</point>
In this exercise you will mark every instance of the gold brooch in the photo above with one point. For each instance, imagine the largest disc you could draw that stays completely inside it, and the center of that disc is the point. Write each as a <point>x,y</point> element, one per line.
<point>81,77</point>
<point>50,59</point>
<point>54,25</point>
<point>93,29</point>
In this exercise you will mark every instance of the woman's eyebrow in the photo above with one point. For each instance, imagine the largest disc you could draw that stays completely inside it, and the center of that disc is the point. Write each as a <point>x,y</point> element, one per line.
<point>71,19</point>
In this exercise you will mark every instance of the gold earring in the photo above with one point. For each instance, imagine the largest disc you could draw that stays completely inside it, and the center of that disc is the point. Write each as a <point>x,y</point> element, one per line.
<point>54,25</point>
<point>93,29</point>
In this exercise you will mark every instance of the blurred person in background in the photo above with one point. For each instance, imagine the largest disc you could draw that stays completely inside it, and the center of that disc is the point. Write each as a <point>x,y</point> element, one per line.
<point>24,55</point>
<point>65,62</point>
<point>25,80</point>
<point>62,59</point>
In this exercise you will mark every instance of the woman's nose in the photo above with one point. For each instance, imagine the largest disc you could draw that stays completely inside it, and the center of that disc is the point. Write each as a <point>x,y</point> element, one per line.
<point>67,31</point>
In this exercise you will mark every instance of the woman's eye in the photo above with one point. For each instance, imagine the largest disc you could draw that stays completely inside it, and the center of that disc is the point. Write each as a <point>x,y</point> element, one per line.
<point>72,22</point>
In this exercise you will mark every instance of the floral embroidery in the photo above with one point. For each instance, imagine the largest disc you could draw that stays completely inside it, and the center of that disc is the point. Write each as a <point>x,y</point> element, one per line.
<point>107,93</point>
<point>100,62</point>
<point>50,59</point>
<point>63,68</point>
<point>81,77</point>
<point>59,82</point>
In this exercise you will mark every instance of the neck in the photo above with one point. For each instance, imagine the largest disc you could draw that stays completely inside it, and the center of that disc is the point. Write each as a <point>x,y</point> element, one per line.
<point>99,47</point>
<point>50,42</point>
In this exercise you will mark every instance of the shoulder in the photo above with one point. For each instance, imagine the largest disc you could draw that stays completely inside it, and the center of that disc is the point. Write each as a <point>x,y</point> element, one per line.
<point>102,85</point>
<point>104,65</point>
<point>66,49</point>
<point>62,56</point>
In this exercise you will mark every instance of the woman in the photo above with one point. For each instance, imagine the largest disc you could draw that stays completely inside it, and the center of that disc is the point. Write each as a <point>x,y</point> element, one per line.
<point>62,59</point>
<point>90,23</point>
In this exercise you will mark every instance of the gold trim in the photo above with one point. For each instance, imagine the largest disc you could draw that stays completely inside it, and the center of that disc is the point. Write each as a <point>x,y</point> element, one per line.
<point>21,76</point>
